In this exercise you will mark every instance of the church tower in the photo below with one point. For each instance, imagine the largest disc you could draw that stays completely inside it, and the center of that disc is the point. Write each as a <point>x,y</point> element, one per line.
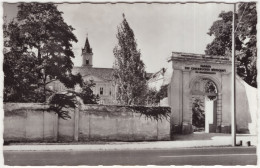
<point>87,55</point>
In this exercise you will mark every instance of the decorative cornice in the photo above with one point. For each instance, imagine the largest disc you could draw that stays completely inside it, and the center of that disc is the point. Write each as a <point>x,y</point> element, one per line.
<point>179,56</point>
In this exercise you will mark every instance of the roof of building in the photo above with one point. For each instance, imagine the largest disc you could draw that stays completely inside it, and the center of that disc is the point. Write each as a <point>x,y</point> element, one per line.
<point>156,75</point>
<point>104,73</point>
<point>148,75</point>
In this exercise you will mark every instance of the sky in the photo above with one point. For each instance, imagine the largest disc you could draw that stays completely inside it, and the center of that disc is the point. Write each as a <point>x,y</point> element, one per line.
<point>159,29</point>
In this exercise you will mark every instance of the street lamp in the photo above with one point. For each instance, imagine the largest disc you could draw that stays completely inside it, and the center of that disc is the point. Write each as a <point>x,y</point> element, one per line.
<point>233,83</point>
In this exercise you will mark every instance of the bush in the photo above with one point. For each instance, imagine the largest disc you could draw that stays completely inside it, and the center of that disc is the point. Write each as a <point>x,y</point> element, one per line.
<point>198,114</point>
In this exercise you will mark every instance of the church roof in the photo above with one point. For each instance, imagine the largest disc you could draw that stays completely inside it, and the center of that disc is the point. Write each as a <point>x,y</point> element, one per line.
<point>104,73</point>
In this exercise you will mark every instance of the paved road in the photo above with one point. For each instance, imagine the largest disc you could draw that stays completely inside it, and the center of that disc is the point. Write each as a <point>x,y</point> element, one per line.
<point>185,156</point>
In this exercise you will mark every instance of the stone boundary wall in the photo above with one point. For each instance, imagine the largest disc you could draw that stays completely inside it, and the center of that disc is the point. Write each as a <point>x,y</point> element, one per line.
<point>31,122</point>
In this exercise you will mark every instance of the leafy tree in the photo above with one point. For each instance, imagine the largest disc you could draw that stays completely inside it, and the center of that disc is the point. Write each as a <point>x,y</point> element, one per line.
<point>151,97</point>
<point>19,69</point>
<point>87,94</point>
<point>40,43</point>
<point>198,114</point>
<point>154,97</point>
<point>61,103</point>
<point>163,92</point>
<point>18,77</point>
<point>246,51</point>
<point>129,69</point>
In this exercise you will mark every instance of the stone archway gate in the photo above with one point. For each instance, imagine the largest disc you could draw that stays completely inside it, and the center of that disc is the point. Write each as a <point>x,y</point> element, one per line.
<point>188,68</point>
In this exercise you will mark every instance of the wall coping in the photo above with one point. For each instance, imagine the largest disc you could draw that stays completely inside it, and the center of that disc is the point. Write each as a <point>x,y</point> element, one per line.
<point>16,106</point>
<point>83,107</point>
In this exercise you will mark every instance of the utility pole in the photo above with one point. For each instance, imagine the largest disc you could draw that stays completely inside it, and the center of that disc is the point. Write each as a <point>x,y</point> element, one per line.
<point>233,82</point>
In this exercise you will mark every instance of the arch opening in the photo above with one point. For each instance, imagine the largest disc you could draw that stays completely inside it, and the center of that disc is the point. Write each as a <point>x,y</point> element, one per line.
<point>204,93</point>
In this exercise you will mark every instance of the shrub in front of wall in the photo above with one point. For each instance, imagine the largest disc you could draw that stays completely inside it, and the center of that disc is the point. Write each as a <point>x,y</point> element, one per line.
<point>153,113</point>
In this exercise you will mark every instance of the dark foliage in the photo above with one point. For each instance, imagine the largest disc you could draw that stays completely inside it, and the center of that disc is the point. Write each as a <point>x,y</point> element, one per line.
<point>211,88</point>
<point>198,114</point>
<point>37,50</point>
<point>153,113</point>
<point>87,94</point>
<point>245,40</point>
<point>151,98</point>
<point>154,97</point>
<point>129,70</point>
<point>61,103</point>
<point>163,92</point>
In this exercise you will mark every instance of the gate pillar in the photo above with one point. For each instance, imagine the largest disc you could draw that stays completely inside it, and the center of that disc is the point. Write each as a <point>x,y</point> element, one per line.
<point>187,113</point>
<point>176,101</point>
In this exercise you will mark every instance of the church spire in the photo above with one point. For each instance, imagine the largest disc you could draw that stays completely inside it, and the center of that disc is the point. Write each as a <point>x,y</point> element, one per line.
<point>87,55</point>
<point>87,47</point>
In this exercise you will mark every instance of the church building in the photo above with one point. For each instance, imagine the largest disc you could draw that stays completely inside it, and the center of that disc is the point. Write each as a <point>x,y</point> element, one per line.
<point>102,77</point>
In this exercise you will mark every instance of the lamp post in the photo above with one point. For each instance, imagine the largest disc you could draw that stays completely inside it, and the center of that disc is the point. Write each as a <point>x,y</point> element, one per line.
<point>233,83</point>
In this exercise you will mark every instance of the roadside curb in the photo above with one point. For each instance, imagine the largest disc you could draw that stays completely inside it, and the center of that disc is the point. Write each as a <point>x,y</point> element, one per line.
<point>134,146</point>
<point>118,149</point>
<point>216,141</point>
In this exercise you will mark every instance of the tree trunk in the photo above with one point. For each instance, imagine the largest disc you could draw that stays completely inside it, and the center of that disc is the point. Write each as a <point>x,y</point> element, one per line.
<point>44,87</point>
<point>39,70</point>
<point>39,55</point>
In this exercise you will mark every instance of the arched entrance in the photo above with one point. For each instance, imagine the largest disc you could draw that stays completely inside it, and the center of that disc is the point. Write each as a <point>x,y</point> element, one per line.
<point>203,99</point>
<point>203,83</point>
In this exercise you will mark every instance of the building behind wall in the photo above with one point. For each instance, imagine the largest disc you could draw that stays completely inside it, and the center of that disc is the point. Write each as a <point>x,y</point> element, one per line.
<point>157,79</point>
<point>105,87</point>
<point>160,79</point>
<point>102,77</point>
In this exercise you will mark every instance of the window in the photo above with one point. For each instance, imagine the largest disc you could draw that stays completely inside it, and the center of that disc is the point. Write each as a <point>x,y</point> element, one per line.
<point>87,62</point>
<point>101,91</point>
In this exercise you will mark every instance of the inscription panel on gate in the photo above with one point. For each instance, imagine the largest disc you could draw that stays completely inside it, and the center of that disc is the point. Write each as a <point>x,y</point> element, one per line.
<point>206,69</point>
